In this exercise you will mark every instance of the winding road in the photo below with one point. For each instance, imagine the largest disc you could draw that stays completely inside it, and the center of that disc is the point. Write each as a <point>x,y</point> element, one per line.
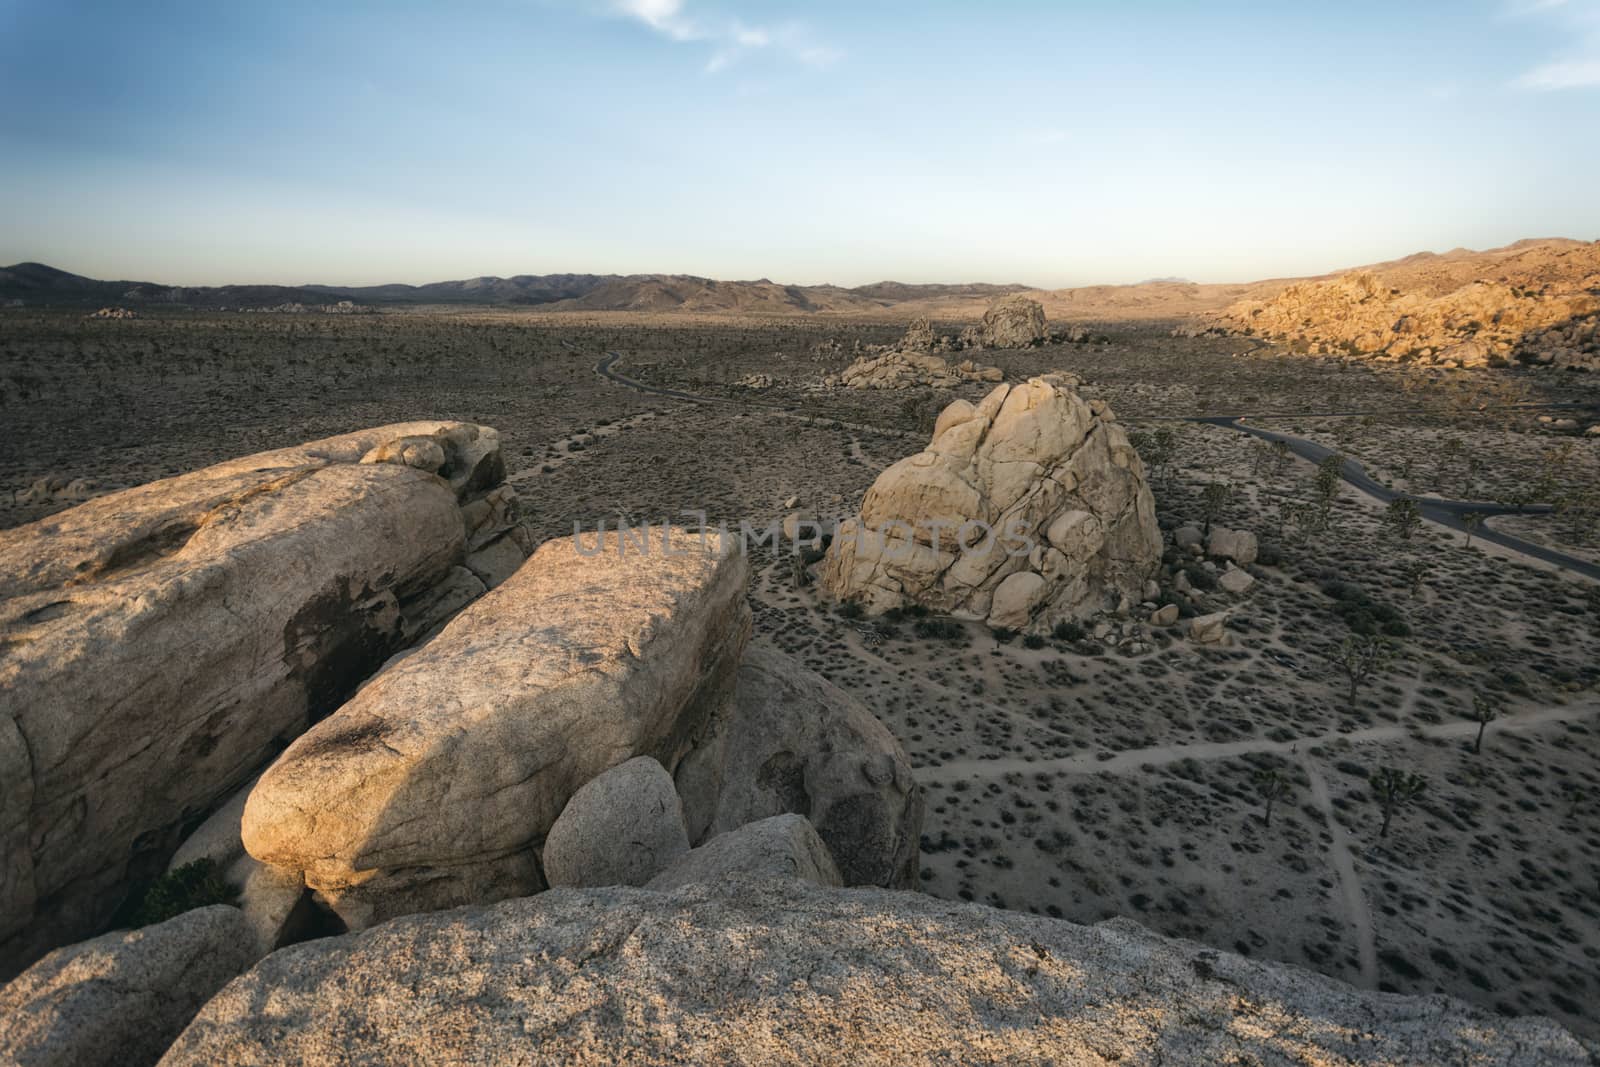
<point>1450,514</point>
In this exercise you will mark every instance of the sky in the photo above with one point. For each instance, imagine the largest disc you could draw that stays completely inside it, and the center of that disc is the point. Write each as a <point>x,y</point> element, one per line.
<point>1052,144</point>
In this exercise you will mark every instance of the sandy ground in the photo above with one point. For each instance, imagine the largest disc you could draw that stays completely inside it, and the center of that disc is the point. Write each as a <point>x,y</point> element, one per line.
<point>1082,778</point>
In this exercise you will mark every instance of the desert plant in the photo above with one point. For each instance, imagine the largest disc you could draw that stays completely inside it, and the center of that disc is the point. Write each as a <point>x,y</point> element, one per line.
<point>1067,630</point>
<point>1215,497</point>
<point>1271,786</point>
<point>1403,518</point>
<point>1472,520</point>
<point>194,885</point>
<point>1485,710</point>
<point>1393,790</point>
<point>1363,657</point>
<point>1033,641</point>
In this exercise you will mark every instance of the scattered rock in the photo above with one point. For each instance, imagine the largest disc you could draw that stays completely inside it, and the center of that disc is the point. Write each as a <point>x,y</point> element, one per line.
<point>1237,545</point>
<point>1235,581</point>
<point>1209,629</point>
<point>120,999</point>
<point>906,370</point>
<point>780,847</point>
<point>787,972</point>
<point>1166,615</point>
<point>623,828</point>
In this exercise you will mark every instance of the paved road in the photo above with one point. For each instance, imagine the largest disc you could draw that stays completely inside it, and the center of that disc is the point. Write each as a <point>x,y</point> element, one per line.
<point>1447,513</point>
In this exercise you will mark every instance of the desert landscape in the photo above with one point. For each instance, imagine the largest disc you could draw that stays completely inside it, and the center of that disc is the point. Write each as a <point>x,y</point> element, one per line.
<point>690,531</point>
<point>1197,746</point>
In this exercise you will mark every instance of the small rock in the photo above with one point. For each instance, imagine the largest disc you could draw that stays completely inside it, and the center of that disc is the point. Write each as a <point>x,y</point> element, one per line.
<point>783,846</point>
<point>623,828</point>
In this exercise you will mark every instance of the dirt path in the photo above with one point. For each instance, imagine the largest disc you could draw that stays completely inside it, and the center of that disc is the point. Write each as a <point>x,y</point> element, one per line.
<point>1344,865</point>
<point>1135,758</point>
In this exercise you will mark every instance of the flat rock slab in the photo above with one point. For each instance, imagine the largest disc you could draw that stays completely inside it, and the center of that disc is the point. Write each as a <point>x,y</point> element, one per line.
<point>460,756</point>
<point>157,645</point>
<point>787,973</point>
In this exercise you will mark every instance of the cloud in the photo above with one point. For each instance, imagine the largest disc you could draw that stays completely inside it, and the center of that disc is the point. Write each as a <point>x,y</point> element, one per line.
<point>730,40</point>
<point>1571,74</point>
<point>1578,65</point>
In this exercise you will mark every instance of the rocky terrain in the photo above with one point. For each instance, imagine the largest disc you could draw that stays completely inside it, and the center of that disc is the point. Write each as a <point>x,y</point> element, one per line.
<point>1109,762</point>
<point>1535,302</point>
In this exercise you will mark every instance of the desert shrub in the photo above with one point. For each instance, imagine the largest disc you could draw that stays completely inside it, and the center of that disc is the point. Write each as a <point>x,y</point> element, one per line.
<point>1269,556</point>
<point>939,629</point>
<point>1033,641</point>
<point>1067,630</point>
<point>851,609</point>
<point>1003,635</point>
<point>1362,614</point>
<point>1200,578</point>
<point>194,885</point>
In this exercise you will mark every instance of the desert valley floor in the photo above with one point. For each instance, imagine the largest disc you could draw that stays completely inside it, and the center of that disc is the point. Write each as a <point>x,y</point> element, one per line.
<point>1109,770</point>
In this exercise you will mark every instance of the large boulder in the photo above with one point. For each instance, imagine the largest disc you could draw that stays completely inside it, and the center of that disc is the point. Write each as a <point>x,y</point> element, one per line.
<point>163,642</point>
<point>788,741</point>
<point>786,972</point>
<point>120,999</point>
<point>783,846</point>
<point>1026,509</point>
<point>1014,321</point>
<point>437,782</point>
<point>623,828</point>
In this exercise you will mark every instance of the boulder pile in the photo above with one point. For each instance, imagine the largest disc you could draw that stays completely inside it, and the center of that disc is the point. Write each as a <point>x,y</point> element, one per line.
<point>163,642</point>
<point>1539,308</point>
<point>907,370</point>
<point>1011,322</point>
<point>1027,509</point>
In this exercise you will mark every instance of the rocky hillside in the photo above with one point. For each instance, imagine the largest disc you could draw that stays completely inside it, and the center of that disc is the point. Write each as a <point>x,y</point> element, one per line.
<point>1534,302</point>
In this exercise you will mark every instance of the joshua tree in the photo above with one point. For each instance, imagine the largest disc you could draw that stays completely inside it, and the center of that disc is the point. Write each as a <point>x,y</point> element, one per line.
<point>1394,789</point>
<point>1415,570</point>
<point>1329,473</point>
<point>1472,520</point>
<point>1271,786</point>
<point>1213,500</point>
<point>1157,450</point>
<point>1485,711</point>
<point>798,573</point>
<point>1361,658</point>
<point>1403,517</point>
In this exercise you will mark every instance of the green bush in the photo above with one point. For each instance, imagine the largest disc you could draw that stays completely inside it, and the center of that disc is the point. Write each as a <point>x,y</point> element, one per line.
<point>851,609</point>
<point>939,629</point>
<point>194,885</point>
<point>1033,641</point>
<point>1067,630</point>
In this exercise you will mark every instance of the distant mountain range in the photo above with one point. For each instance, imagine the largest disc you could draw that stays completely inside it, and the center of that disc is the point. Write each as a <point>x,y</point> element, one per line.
<point>38,284</point>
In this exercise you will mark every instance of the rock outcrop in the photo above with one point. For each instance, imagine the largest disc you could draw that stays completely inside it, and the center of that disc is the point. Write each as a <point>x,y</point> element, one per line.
<point>907,370</point>
<point>790,742</point>
<point>1014,321</point>
<point>622,828</point>
<point>1537,305</point>
<point>437,782</point>
<point>120,999</point>
<point>162,642</point>
<point>798,974</point>
<point>1026,509</point>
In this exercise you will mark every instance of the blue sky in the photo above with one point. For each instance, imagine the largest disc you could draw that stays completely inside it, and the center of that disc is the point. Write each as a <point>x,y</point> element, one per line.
<point>1049,143</point>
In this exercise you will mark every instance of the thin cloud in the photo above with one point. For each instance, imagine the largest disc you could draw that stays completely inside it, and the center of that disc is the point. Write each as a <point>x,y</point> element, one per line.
<point>730,40</point>
<point>1577,66</point>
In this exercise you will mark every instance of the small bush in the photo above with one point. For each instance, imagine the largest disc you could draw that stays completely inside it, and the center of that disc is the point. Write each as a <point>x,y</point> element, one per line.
<point>851,609</point>
<point>1033,641</point>
<point>1002,635</point>
<point>1067,630</point>
<point>194,885</point>
<point>939,629</point>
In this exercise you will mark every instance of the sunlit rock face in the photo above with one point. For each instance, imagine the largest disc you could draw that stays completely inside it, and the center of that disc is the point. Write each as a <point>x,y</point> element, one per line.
<point>794,973</point>
<point>1025,509</point>
<point>159,644</point>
